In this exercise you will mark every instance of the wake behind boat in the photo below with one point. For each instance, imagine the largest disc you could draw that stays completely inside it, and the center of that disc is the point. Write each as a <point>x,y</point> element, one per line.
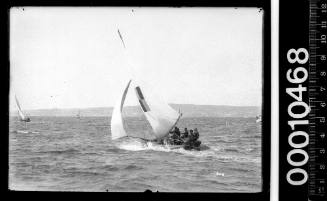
<point>26,132</point>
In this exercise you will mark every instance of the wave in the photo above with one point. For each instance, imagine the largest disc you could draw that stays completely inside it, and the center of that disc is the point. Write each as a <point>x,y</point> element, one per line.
<point>25,131</point>
<point>112,150</point>
<point>224,141</point>
<point>213,152</point>
<point>222,174</point>
<point>110,168</point>
<point>217,182</point>
<point>133,167</point>
<point>132,145</point>
<point>83,173</point>
<point>137,146</point>
<point>251,136</point>
<point>231,150</point>
<point>67,151</point>
<point>240,169</point>
<point>145,145</point>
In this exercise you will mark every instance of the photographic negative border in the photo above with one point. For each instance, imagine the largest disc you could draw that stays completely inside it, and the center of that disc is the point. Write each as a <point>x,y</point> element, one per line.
<point>302,111</point>
<point>266,94</point>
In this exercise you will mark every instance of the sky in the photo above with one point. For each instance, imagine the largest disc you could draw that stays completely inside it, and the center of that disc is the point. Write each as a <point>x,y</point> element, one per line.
<point>74,58</point>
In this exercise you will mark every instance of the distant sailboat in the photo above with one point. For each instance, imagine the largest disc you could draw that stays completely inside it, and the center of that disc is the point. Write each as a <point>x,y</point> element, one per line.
<point>161,117</point>
<point>258,119</point>
<point>78,115</point>
<point>22,116</point>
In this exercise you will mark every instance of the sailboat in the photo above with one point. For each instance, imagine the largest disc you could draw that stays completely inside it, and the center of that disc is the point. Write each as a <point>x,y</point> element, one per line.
<point>22,117</point>
<point>78,116</point>
<point>258,119</point>
<point>161,116</point>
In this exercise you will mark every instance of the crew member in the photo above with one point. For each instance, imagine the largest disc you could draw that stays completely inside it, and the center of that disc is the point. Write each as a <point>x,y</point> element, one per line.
<point>177,132</point>
<point>191,135</point>
<point>196,134</point>
<point>177,136</point>
<point>185,134</point>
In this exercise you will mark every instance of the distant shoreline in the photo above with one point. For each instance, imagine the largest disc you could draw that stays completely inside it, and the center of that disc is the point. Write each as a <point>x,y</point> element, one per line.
<point>126,106</point>
<point>188,110</point>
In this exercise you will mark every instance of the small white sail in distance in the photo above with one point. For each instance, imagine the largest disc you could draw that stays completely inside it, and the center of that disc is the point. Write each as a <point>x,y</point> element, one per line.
<point>22,116</point>
<point>78,114</point>
<point>116,125</point>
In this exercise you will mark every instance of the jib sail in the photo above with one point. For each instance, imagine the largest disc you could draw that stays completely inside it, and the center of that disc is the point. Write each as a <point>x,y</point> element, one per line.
<point>117,126</point>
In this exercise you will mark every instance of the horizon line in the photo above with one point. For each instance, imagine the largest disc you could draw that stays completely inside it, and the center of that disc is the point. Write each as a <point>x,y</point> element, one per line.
<point>70,108</point>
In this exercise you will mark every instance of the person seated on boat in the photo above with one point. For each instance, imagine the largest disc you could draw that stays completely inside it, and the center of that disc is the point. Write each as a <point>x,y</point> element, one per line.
<point>192,142</point>
<point>196,141</point>
<point>178,141</point>
<point>193,138</point>
<point>185,134</point>
<point>196,134</point>
<point>191,135</point>
<point>188,143</point>
<point>176,137</point>
<point>177,132</point>
<point>189,138</point>
<point>173,132</point>
<point>169,139</point>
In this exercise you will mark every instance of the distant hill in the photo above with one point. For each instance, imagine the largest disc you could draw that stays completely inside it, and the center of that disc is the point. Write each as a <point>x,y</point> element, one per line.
<point>188,110</point>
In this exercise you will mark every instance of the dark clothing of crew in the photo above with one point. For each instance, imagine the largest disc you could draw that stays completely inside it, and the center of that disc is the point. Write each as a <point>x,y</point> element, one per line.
<point>190,136</point>
<point>177,132</point>
<point>195,135</point>
<point>174,136</point>
<point>185,134</point>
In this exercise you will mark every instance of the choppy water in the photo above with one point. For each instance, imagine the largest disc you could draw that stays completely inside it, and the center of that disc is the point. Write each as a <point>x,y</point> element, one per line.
<point>68,154</point>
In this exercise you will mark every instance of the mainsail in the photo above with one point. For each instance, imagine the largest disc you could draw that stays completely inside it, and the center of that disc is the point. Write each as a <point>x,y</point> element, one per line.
<point>117,126</point>
<point>20,112</point>
<point>161,116</point>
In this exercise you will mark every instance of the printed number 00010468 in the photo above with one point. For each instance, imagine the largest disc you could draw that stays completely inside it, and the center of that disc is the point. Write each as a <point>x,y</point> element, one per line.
<point>297,76</point>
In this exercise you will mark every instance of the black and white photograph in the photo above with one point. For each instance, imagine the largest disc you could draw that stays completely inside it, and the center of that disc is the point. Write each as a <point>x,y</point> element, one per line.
<point>129,99</point>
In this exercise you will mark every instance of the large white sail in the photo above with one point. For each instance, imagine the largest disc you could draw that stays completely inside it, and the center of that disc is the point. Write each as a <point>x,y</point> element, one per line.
<point>20,112</point>
<point>160,115</point>
<point>117,126</point>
